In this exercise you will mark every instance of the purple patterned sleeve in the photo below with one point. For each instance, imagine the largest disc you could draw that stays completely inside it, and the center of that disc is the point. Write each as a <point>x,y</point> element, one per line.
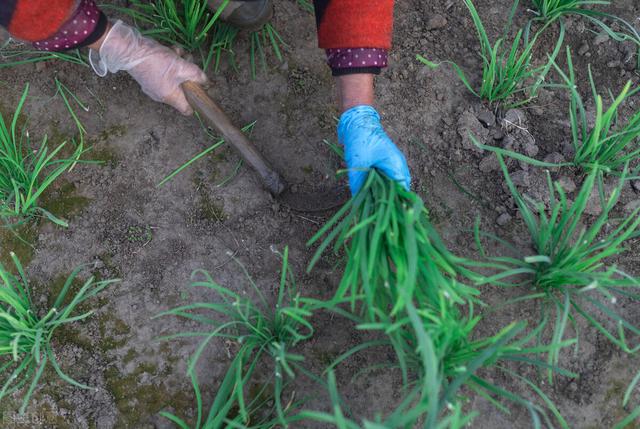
<point>84,27</point>
<point>356,60</point>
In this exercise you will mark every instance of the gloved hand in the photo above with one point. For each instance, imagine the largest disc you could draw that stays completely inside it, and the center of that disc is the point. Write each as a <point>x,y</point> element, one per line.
<point>158,69</point>
<point>367,146</point>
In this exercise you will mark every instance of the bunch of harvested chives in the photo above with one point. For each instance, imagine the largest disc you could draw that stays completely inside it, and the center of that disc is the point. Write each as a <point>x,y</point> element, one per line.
<point>393,253</point>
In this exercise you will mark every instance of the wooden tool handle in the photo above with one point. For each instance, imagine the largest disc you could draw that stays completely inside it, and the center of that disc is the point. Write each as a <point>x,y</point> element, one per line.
<point>207,108</point>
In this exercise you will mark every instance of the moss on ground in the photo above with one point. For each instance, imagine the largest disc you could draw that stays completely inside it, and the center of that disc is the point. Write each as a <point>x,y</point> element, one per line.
<point>107,134</point>
<point>114,333</point>
<point>20,240</point>
<point>110,266</point>
<point>137,401</point>
<point>131,355</point>
<point>63,200</point>
<point>67,334</point>
<point>210,210</point>
<point>106,156</point>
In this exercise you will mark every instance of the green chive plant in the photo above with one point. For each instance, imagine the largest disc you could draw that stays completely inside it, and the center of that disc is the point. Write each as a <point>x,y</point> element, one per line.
<point>261,330</point>
<point>611,143</point>
<point>441,339</point>
<point>186,23</point>
<point>191,25</point>
<point>16,54</point>
<point>306,5</point>
<point>26,333</point>
<point>507,70</point>
<point>396,263</point>
<point>407,415</point>
<point>27,170</point>
<point>549,11</point>
<point>386,235</point>
<point>568,271</point>
<point>635,413</point>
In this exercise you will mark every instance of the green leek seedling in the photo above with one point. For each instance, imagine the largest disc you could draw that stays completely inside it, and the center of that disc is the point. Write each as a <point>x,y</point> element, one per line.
<point>393,253</point>
<point>16,54</point>
<point>456,351</point>
<point>507,70</point>
<point>27,171</point>
<point>260,330</point>
<point>549,11</point>
<point>610,144</point>
<point>635,413</point>
<point>568,270</point>
<point>25,336</point>
<point>192,25</point>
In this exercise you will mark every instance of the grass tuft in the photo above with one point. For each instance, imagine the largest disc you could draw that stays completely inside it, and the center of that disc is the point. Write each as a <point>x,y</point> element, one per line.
<point>191,25</point>
<point>26,170</point>
<point>401,282</point>
<point>609,145</point>
<point>386,235</point>
<point>258,329</point>
<point>568,271</point>
<point>507,70</point>
<point>26,333</point>
<point>549,11</point>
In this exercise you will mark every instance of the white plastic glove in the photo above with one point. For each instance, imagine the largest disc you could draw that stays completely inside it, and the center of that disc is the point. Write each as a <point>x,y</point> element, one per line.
<point>158,69</point>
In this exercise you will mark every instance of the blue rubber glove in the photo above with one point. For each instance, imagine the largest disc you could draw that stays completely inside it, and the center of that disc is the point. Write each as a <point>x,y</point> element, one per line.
<point>366,145</point>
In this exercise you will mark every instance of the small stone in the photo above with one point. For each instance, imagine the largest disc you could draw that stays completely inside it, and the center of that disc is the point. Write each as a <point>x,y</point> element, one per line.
<point>601,38</point>
<point>630,63</point>
<point>513,119</point>
<point>636,185</point>
<point>567,184</point>
<point>436,22</point>
<point>583,49</point>
<point>554,158</point>
<point>521,178</point>
<point>489,163</point>
<point>631,206</point>
<point>497,134</point>
<point>41,66</point>
<point>613,64</point>
<point>594,206</point>
<point>486,118</point>
<point>468,125</point>
<point>503,219</point>
<point>537,110</point>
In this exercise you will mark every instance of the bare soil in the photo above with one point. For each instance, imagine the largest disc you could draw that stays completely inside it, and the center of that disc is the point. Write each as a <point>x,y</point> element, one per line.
<point>122,225</point>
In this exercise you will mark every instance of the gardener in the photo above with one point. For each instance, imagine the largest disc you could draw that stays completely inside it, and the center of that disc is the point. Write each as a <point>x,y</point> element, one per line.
<point>355,33</point>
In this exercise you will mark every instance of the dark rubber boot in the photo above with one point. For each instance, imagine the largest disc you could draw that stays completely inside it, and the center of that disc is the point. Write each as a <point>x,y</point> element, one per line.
<point>248,14</point>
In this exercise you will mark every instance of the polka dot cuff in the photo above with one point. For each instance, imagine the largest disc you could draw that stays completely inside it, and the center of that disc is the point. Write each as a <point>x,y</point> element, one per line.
<point>80,27</point>
<point>345,60</point>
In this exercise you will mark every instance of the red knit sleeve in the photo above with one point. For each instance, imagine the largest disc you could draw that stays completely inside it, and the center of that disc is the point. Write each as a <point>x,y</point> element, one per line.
<point>354,23</point>
<point>33,20</point>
